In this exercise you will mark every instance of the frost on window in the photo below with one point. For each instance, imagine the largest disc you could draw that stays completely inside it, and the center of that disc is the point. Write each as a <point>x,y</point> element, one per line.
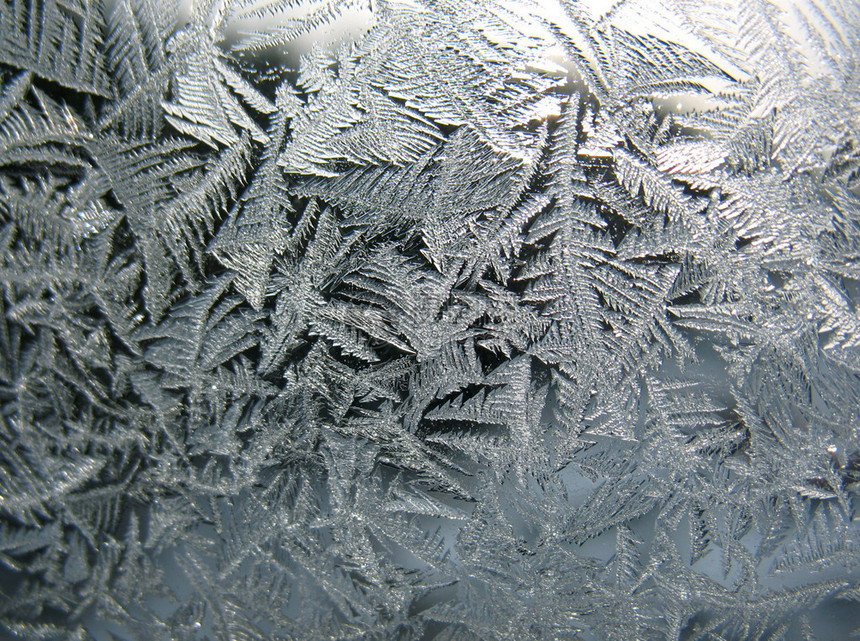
<point>429,319</point>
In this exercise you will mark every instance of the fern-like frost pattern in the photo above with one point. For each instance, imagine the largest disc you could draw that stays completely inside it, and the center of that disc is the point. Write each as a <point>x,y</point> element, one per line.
<point>429,319</point>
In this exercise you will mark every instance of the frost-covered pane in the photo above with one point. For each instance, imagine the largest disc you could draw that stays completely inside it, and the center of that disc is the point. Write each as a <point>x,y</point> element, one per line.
<point>429,319</point>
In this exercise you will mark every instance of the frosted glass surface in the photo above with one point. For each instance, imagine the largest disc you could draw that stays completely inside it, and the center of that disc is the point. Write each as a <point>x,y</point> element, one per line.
<point>429,320</point>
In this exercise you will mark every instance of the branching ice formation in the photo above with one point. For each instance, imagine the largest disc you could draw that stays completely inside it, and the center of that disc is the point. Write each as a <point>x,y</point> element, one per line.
<point>489,319</point>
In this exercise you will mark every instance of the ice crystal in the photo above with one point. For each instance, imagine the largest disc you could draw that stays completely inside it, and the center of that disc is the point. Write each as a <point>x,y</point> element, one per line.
<point>429,319</point>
